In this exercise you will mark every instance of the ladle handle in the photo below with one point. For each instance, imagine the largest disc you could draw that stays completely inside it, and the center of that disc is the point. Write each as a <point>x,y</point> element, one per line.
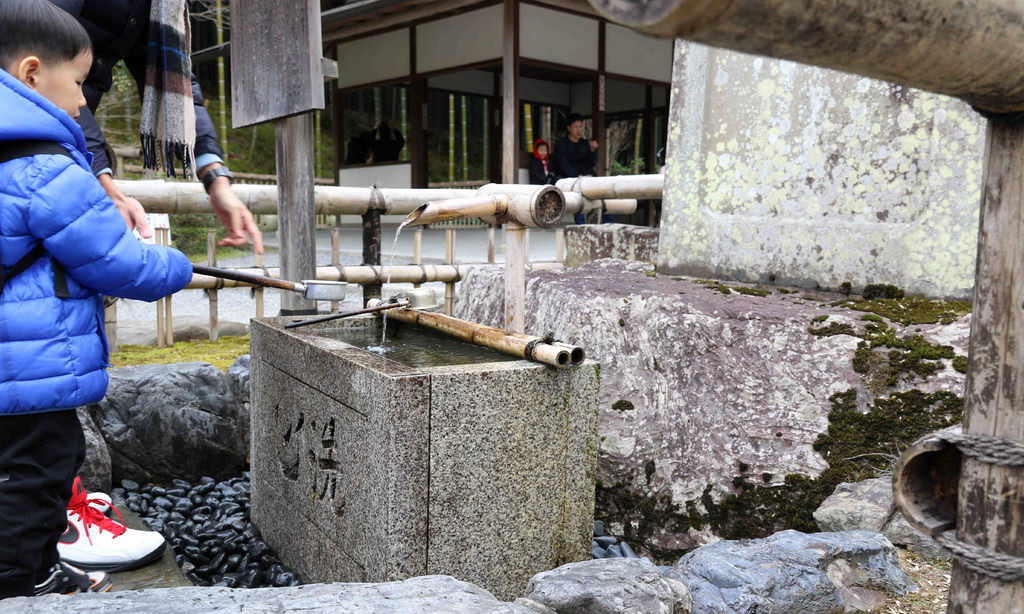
<point>337,316</point>
<point>252,278</point>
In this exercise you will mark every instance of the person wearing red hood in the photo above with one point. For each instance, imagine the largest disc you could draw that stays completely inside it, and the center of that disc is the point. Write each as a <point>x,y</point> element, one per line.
<point>540,164</point>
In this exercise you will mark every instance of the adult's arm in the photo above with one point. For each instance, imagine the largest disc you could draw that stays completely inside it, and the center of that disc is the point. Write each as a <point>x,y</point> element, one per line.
<point>85,234</point>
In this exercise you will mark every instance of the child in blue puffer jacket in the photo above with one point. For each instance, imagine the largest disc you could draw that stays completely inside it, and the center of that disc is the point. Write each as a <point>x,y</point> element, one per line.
<point>63,245</point>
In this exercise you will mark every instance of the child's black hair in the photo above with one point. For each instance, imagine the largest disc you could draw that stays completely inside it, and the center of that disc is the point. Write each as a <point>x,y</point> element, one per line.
<point>40,28</point>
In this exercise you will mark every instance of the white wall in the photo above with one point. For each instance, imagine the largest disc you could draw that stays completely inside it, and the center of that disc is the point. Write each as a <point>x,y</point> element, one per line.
<point>380,175</point>
<point>636,55</point>
<point>563,38</point>
<point>459,40</point>
<point>374,58</point>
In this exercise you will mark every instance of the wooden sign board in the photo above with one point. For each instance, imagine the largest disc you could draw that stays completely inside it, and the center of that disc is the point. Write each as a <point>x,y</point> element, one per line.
<point>275,60</point>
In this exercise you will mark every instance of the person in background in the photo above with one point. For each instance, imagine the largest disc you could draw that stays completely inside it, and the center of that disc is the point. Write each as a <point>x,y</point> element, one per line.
<point>576,156</point>
<point>64,246</point>
<point>387,142</point>
<point>151,37</point>
<point>540,165</point>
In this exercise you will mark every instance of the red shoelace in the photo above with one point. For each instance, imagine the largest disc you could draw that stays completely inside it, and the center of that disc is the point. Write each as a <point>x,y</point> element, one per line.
<point>81,504</point>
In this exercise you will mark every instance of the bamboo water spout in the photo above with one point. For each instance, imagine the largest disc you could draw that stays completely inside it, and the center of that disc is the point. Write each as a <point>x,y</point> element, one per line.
<point>971,50</point>
<point>519,345</point>
<point>528,205</point>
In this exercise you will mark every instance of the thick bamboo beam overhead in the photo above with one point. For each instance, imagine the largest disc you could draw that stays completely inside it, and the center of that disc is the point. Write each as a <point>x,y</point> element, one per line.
<point>971,50</point>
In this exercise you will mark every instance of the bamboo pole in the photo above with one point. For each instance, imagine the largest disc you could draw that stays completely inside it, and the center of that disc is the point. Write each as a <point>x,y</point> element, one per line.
<point>110,325</point>
<point>211,259</point>
<point>161,336</point>
<point>258,290</point>
<point>449,258</point>
<point>971,50</point>
<point>417,248</point>
<point>159,196</point>
<point>521,346</point>
<point>615,187</point>
<point>365,275</point>
<point>335,258</point>
<point>516,256</point>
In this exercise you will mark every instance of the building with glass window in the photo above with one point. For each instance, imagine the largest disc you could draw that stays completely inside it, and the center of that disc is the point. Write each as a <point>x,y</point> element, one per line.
<point>421,91</point>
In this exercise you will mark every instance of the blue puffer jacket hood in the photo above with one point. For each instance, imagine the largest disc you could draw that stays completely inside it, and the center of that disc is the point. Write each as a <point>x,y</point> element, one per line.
<point>53,350</point>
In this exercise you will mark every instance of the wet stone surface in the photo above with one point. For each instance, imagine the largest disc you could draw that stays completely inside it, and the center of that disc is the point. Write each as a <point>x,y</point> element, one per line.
<point>208,526</point>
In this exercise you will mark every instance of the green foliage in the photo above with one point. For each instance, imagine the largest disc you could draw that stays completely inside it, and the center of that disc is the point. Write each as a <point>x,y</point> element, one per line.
<point>835,328</point>
<point>873,291</point>
<point>221,353</point>
<point>910,310</point>
<point>716,285</point>
<point>960,363</point>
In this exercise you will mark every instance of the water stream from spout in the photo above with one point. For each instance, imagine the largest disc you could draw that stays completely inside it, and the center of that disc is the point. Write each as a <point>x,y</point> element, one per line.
<point>384,314</point>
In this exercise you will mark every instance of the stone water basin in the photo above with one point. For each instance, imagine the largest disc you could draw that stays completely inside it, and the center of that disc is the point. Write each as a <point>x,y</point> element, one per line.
<point>438,457</point>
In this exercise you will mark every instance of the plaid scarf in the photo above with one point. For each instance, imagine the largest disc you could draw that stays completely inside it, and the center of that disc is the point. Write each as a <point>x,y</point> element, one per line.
<point>168,127</point>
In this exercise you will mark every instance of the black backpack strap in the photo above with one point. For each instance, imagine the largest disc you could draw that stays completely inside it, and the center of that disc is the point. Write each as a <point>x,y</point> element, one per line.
<point>11,150</point>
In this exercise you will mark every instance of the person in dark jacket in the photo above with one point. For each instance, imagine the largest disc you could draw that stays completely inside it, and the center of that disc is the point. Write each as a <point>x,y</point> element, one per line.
<point>63,245</point>
<point>576,156</point>
<point>540,164</point>
<point>119,30</point>
<point>387,142</point>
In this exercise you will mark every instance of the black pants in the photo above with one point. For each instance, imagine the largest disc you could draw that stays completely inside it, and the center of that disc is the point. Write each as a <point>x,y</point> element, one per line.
<point>39,457</point>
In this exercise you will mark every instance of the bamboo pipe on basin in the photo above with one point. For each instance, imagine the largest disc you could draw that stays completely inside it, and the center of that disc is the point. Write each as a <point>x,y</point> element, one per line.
<point>971,50</point>
<point>529,205</point>
<point>518,345</point>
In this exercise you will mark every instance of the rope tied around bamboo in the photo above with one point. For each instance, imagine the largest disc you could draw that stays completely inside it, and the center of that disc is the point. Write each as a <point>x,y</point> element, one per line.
<point>925,484</point>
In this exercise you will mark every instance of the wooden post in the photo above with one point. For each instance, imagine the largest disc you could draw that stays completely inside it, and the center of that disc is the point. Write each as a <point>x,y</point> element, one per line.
<point>449,258</point>
<point>990,508</point>
<point>510,92</point>
<point>597,127</point>
<point>296,217</point>
<point>211,259</point>
<point>371,250</point>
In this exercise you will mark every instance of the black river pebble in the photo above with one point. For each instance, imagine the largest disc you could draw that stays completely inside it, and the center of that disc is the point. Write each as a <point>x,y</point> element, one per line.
<point>208,526</point>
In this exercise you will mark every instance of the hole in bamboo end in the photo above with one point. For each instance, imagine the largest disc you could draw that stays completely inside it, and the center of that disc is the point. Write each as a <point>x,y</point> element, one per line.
<point>562,358</point>
<point>577,356</point>
<point>925,483</point>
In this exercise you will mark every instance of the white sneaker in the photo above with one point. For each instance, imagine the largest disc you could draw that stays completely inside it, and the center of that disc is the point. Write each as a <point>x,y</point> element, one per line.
<point>94,542</point>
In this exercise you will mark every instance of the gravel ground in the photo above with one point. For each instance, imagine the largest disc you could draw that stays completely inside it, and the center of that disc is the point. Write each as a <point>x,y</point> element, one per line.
<point>932,580</point>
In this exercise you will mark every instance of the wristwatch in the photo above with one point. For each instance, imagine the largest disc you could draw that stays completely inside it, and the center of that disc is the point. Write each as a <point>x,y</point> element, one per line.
<point>213,173</point>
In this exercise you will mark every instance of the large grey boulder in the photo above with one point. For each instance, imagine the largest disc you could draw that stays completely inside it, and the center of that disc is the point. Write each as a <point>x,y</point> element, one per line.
<point>867,506</point>
<point>95,470</point>
<point>162,422</point>
<point>609,586</point>
<point>422,595</point>
<point>793,572</point>
<point>700,384</point>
